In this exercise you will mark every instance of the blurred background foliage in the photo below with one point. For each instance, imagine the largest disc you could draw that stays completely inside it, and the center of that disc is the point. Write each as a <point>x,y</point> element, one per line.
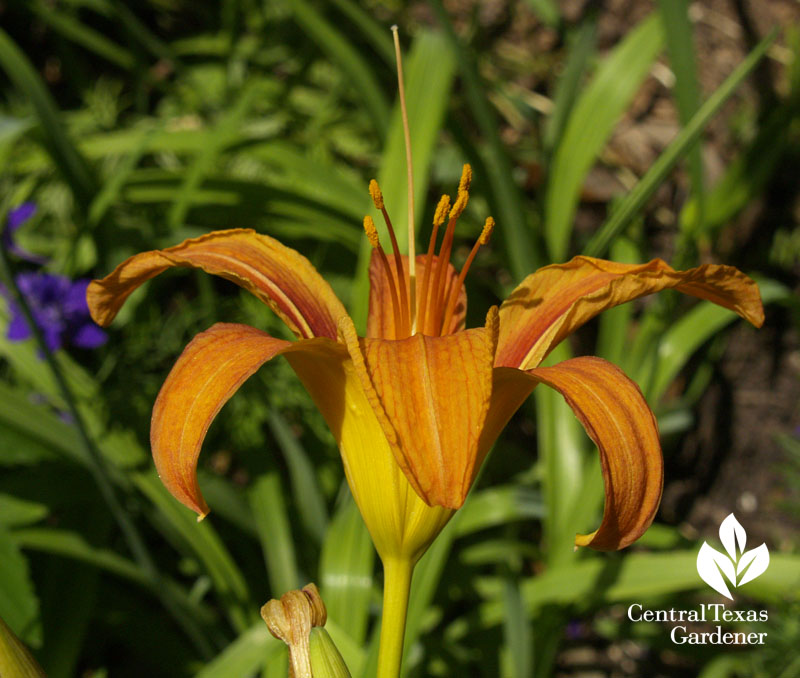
<point>626,129</point>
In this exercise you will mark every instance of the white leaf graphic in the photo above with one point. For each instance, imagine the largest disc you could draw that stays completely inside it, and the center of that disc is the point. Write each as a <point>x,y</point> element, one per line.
<point>757,559</point>
<point>731,533</point>
<point>709,563</point>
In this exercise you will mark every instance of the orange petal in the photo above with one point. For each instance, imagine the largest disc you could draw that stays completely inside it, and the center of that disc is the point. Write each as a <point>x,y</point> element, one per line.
<point>556,300</point>
<point>279,276</point>
<point>614,413</point>
<point>402,526</point>
<point>380,321</point>
<point>431,395</point>
<point>208,372</point>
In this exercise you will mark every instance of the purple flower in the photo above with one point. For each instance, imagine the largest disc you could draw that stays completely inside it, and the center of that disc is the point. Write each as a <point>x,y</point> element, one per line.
<point>19,215</point>
<point>16,217</point>
<point>59,309</point>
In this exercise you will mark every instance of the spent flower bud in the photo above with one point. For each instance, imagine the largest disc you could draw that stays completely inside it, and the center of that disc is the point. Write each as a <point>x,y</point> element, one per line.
<point>298,619</point>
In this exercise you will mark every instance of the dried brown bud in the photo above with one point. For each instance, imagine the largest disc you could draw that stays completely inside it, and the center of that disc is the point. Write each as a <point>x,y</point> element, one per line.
<point>291,619</point>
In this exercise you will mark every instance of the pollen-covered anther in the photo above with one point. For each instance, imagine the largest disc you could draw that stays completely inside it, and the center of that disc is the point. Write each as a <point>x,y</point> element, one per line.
<point>441,211</point>
<point>375,194</point>
<point>486,233</point>
<point>463,193</point>
<point>372,232</point>
<point>466,178</point>
<point>460,205</point>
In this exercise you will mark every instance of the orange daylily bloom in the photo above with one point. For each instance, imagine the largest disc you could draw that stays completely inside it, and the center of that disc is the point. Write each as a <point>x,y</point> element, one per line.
<point>416,405</point>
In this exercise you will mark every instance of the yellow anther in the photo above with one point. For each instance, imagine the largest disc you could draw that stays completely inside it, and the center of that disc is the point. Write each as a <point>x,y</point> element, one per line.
<point>460,204</point>
<point>466,178</point>
<point>375,193</point>
<point>371,231</point>
<point>441,211</point>
<point>486,233</point>
<point>493,327</point>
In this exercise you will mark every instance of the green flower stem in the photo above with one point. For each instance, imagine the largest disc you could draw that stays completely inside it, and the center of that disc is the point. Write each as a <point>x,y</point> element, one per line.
<point>396,589</point>
<point>101,476</point>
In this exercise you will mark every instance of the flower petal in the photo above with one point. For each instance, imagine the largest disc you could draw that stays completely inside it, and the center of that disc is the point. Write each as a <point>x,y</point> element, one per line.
<point>19,215</point>
<point>553,302</point>
<point>18,328</point>
<point>400,523</point>
<point>431,395</point>
<point>614,413</point>
<point>88,336</point>
<point>380,321</point>
<point>208,372</point>
<point>279,276</point>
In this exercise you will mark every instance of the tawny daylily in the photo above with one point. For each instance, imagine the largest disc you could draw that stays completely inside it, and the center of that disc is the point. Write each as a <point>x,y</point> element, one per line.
<point>416,404</point>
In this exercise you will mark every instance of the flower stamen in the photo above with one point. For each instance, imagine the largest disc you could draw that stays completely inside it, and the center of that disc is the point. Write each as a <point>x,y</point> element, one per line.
<point>446,249</point>
<point>439,292</point>
<point>438,219</point>
<point>372,236</point>
<point>483,239</point>
<point>377,198</point>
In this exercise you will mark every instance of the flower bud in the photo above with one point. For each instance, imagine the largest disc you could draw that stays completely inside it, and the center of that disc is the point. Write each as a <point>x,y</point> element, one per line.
<point>298,619</point>
<point>326,662</point>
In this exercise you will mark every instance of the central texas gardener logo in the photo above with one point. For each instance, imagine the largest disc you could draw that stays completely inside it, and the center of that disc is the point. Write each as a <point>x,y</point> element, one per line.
<point>738,566</point>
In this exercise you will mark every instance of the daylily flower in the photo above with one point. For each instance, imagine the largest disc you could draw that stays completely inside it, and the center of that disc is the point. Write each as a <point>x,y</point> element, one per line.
<point>416,404</point>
